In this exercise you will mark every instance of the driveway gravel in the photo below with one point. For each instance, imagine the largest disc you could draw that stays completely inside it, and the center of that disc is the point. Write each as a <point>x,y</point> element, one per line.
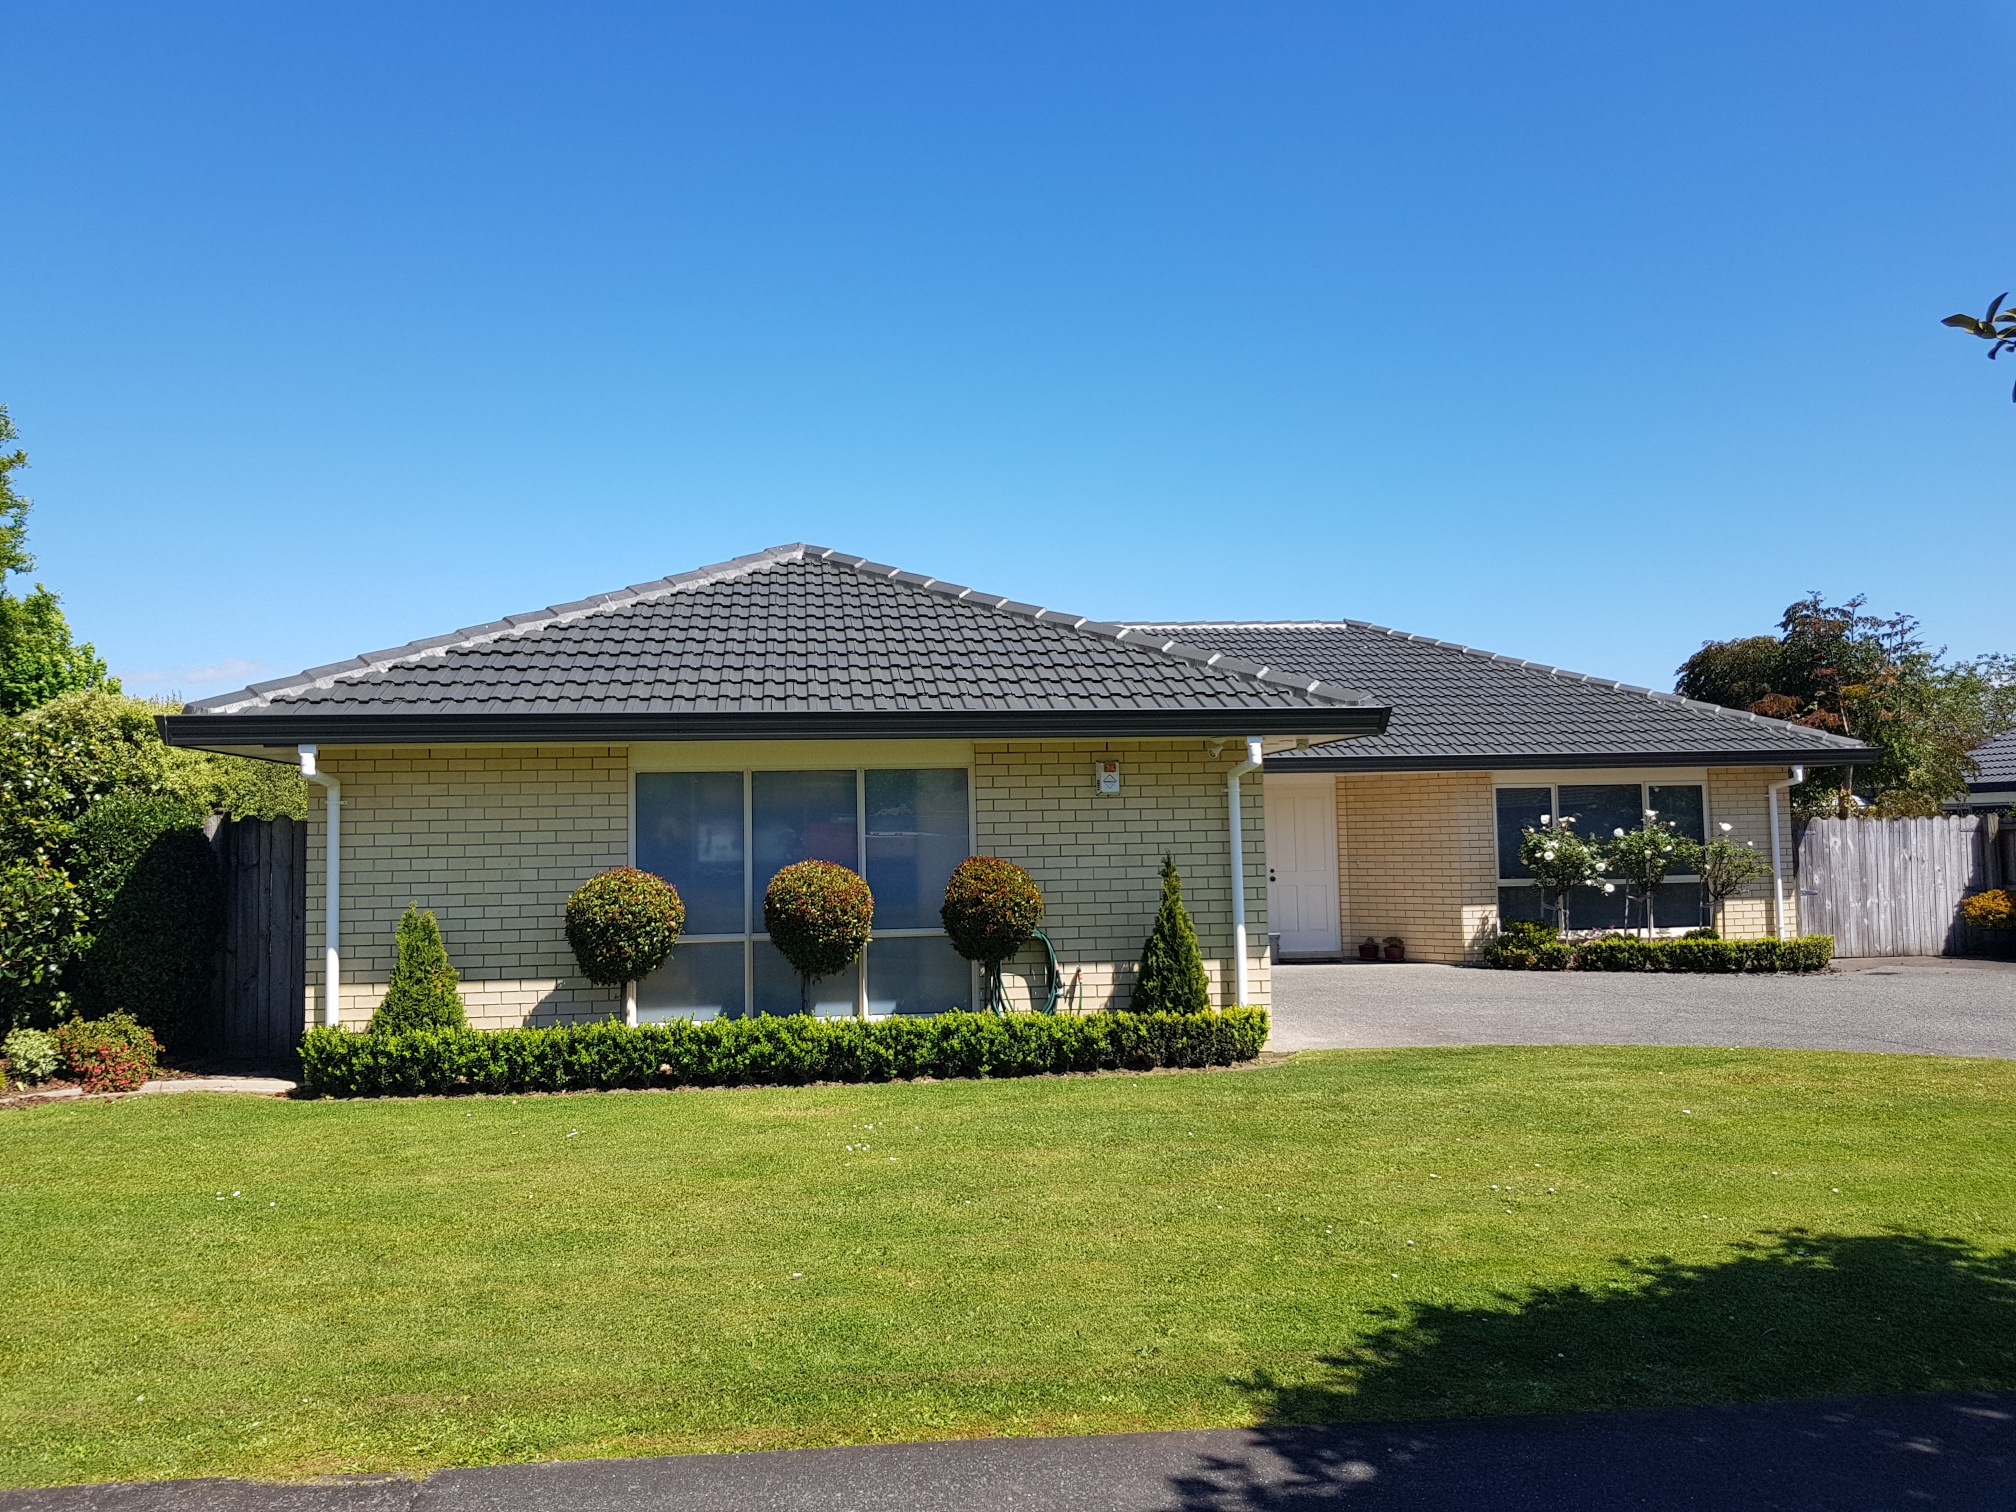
<point>1921,1005</point>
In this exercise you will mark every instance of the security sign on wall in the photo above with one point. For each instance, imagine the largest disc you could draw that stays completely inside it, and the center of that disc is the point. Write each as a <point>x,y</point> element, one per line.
<point>1109,776</point>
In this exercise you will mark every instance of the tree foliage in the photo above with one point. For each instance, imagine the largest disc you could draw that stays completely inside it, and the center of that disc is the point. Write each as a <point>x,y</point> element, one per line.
<point>425,990</point>
<point>1833,667</point>
<point>1997,327</point>
<point>13,508</point>
<point>1170,978</point>
<point>818,913</point>
<point>38,660</point>
<point>622,924</point>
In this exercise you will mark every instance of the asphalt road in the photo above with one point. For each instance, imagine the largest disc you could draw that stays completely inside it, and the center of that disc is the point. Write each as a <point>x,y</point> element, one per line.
<point>1926,1005</point>
<point>1925,1454</point>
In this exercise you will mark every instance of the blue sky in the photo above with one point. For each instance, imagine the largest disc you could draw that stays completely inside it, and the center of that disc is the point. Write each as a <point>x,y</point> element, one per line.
<point>1582,333</point>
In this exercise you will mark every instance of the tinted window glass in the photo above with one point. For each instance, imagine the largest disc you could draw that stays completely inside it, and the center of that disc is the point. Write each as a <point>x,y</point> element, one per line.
<point>1519,809</point>
<point>1520,903</point>
<point>1593,908</point>
<point>698,982</point>
<point>689,831</point>
<point>1600,810</point>
<point>1678,906</point>
<point>800,816</point>
<point>916,836</point>
<point>918,975</point>
<point>778,989</point>
<point>1681,807</point>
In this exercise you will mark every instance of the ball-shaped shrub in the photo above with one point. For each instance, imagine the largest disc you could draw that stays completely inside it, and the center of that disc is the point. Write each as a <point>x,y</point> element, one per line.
<point>991,909</point>
<point>818,914</point>
<point>622,924</point>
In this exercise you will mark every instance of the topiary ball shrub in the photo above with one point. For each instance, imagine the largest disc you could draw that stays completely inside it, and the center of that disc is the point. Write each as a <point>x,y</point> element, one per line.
<point>622,924</point>
<point>425,990</point>
<point>992,907</point>
<point>818,913</point>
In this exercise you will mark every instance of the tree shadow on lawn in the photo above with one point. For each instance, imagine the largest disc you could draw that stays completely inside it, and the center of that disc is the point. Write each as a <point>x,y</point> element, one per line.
<point>1786,1319</point>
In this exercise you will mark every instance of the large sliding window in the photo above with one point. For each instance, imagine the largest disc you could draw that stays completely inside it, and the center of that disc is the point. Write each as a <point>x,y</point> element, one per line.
<point>719,837</point>
<point>1598,810</point>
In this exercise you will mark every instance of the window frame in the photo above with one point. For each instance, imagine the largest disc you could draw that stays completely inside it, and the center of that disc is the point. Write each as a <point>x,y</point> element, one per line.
<point>1645,780</point>
<point>752,935</point>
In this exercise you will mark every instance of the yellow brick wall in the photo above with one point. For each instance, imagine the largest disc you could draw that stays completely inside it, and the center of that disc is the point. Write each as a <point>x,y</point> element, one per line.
<point>1098,858</point>
<point>1740,797</point>
<point>1417,857</point>
<point>493,840</point>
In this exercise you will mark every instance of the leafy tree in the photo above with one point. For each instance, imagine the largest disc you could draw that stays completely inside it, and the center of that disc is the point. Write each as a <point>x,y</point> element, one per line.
<point>1643,857</point>
<point>1560,861</point>
<point>818,914</point>
<point>1833,667</point>
<point>1997,327</point>
<point>1171,976</point>
<point>38,661</point>
<point>425,990</point>
<point>991,909</point>
<point>1724,867</point>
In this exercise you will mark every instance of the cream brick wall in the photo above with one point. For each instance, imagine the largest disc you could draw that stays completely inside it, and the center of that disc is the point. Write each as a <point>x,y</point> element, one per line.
<point>493,840</point>
<point>1417,857</point>
<point>1098,859</point>
<point>1740,797</point>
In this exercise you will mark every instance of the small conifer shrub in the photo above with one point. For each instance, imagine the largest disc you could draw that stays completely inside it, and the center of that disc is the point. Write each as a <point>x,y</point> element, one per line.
<point>1171,975</point>
<point>992,907</point>
<point>623,924</point>
<point>423,992</point>
<point>818,913</point>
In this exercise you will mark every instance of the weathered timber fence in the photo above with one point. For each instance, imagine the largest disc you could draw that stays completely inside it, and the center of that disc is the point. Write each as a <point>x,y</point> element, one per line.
<point>1892,887</point>
<point>262,977</point>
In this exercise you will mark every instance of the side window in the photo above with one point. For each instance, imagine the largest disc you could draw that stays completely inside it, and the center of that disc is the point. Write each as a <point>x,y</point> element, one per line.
<point>1519,809</point>
<point>689,831</point>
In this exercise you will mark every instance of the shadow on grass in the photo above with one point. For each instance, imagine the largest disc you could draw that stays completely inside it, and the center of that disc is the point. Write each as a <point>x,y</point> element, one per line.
<point>1789,1318</point>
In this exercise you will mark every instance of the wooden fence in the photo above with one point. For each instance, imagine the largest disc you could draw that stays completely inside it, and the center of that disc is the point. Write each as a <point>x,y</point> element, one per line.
<point>262,976</point>
<point>1892,887</point>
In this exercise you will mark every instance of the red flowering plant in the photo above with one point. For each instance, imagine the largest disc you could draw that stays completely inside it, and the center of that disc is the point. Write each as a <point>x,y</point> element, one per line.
<point>991,910</point>
<point>818,913</point>
<point>112,1054</point>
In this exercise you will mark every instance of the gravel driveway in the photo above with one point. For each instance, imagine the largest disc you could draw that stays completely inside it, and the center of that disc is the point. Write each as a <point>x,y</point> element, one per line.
<point>1924,1005</point>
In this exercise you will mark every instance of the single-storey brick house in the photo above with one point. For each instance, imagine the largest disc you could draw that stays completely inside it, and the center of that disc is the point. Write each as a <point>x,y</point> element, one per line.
<point>718,724</point>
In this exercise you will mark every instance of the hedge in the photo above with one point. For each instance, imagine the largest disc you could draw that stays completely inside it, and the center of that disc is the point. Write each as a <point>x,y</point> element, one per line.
<point>788,1050</point>
<point>1530,952</point>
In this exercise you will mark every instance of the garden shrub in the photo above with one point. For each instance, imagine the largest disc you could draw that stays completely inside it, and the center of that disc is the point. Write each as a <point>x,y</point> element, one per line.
<point>788,1050</point>
<point>114,1054</point>
<point>1170,978</point>
<point>41,933</point>
<point>1524,949</point>
<point>1994,909</point>
<point>153,900</point>
<point>622,924</point>
<point>424,992</point>
<point>818,913</point>
<point>991,909</point>
<point>31,1055</point>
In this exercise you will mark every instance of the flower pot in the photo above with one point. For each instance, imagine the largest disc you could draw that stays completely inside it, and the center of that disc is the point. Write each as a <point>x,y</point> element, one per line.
<point>1368,950</point>
<point>1396,952</point>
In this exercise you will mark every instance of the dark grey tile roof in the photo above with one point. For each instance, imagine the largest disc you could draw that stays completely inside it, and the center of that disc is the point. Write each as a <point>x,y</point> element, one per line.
<point>1997,761</point>
<point>795,640</point>
<point>1455,707</point>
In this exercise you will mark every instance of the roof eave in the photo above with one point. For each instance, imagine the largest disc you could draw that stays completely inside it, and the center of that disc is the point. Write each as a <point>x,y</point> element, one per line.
<point>279,729</point>
<point>1542,761</point>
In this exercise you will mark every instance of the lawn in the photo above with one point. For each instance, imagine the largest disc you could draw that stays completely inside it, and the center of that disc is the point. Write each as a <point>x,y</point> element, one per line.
<point>215,1285</point>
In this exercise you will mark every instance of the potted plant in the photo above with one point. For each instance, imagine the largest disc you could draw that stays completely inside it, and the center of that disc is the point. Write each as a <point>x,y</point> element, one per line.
<point>818,914</point>
<point>1396,948</point>
<point>990,912</point>
<point>622,924</point>
<point>1368,949</point>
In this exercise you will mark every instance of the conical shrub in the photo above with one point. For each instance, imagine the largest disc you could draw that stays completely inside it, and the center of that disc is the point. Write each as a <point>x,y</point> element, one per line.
<point>423,992</point>
<point>1171,976</point>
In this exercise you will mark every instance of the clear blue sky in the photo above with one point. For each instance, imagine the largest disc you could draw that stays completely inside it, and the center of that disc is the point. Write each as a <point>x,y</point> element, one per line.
<point>1578,333</point>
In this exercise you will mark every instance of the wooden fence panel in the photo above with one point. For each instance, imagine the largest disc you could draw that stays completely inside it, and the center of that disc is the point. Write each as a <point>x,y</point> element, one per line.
<point>1890,887</point>
<point>265,937</point>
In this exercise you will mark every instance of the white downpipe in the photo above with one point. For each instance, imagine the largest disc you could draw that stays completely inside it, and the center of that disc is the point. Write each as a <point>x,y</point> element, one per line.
<point>630,1004</point>
<point>1777,854</point>
<point>332,964</point>
<point>1250,764</point>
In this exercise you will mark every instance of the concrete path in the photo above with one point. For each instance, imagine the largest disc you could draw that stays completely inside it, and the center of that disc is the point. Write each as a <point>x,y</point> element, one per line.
<point>1926,1005</point>
<point>258,1086</point>
<point>1947,1454</point>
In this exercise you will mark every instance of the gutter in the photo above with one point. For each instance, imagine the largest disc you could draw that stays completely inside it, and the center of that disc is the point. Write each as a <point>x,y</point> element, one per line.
<point>1252,763</point>
<point>332,978</point>
<point>1777,862</point>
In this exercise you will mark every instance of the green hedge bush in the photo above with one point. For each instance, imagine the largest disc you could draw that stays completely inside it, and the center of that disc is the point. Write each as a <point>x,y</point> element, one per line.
<point>1536,947</point>
<point>789,1050</point>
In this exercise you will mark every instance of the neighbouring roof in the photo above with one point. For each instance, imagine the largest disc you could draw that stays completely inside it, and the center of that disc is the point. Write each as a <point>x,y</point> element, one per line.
<point>1997,761</point>
<point>796,641</point>
<point>1458,708</point>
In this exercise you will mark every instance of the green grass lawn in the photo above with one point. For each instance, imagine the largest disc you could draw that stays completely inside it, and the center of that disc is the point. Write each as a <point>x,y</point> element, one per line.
<point>224,1285</point>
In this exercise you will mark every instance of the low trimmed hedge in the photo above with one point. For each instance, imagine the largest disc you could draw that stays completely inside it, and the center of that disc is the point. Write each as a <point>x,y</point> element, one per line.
<point>769,1050</point>
<point>1532,950</point>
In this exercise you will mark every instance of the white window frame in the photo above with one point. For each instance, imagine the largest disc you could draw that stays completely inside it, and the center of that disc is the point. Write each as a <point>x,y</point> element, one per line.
<point>913,760</point>
<point>1646,779</point>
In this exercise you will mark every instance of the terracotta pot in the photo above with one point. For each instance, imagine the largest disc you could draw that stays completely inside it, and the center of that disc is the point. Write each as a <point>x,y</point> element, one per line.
<point>1396,952</point>
<point>1368,951</point>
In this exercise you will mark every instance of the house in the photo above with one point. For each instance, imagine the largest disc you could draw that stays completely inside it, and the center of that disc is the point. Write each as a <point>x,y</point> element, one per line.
<point>1993,788</point>
<point>799,703</point>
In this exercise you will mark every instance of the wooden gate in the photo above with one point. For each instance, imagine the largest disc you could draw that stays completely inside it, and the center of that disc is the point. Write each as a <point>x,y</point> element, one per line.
<point>1891,887</point>
<point>262,979</point>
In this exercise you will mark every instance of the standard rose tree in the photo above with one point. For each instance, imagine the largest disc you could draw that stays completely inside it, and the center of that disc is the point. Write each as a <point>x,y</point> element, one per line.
<point>623,924</point>
<point>818,913</point>
<point>991,910</point>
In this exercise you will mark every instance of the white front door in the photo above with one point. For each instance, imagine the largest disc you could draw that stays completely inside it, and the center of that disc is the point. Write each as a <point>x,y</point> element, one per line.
<point>1302,863</point>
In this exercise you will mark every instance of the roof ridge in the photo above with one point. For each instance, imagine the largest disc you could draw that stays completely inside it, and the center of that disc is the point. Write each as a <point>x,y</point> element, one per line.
<point>265,693</point>
<point>1844,741</point>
